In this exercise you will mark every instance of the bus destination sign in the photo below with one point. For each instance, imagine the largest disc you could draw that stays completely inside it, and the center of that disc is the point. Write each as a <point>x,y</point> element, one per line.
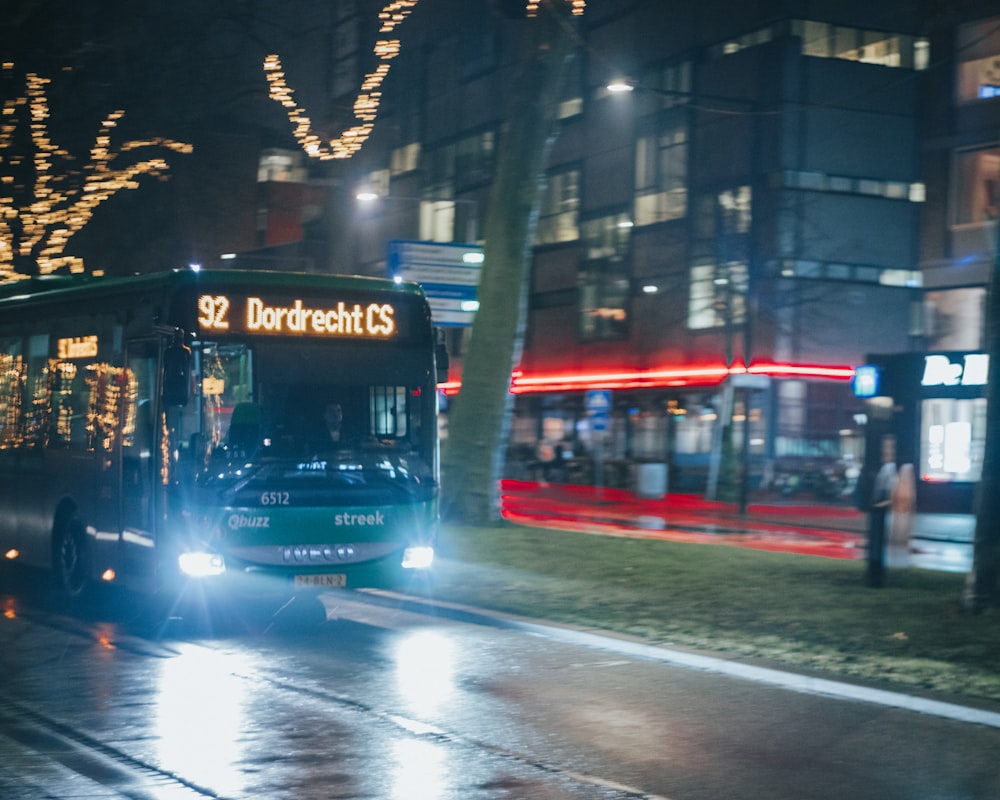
<point>221,313</point>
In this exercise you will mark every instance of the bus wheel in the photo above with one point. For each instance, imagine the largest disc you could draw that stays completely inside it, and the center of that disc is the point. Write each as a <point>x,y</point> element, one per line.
<point>70,557</point>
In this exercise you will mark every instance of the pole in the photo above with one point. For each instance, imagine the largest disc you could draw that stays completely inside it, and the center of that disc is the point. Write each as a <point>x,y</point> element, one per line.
<point>981,590</point>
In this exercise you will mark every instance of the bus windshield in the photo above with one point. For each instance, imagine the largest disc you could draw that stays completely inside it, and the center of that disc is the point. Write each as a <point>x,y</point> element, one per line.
<point>299,402</point>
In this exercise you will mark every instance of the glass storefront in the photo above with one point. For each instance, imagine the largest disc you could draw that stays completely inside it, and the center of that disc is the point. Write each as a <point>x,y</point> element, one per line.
<point>952,439</point>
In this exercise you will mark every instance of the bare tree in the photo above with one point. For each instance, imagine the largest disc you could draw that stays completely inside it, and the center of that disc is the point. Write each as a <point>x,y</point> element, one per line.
<point>480,418</point>
<point>46,193</point>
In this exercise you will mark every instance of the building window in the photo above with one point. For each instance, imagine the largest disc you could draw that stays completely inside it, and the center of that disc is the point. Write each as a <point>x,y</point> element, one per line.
<point>603,277</point>
<point>281,166</point>
<point>978,48</point>
<point>461,165</point>
<point>474,159</point>
<point>717,295</point>
<point>437,220</point>
<point>719,279</point>
<point>571,99</point>
<point>823,40</point>
<point>668,86</point>
<point>955,319</point>
<point>914,192</point>
<point>405,159</point>
<point>559,211</point>
<point>977,186</point>
<point>661,158</point>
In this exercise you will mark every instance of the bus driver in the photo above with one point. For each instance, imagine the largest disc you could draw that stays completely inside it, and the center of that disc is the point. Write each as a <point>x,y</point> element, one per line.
<point>333,417</point>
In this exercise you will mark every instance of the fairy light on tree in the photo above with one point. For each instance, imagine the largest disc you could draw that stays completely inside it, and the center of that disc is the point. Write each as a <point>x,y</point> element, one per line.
<point>366,105</point>
<point>578,7</point>
<point>47,197</point>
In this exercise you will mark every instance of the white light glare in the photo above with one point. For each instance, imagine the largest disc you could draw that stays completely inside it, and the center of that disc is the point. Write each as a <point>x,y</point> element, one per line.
<point>418,557</point>
<point>366,197</point>
<point>470,305</point>
<point>473,258</point>
<point>201,565</point>
<point>620,86</point>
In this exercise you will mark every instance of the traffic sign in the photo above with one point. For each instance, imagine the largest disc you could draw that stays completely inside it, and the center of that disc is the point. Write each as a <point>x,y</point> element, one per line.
<point>597,403</point>
<point>448,272</point>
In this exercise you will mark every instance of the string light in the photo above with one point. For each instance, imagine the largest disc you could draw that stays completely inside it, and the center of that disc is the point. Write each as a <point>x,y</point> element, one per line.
<point>62,201</point>
<point>369,97</point>
<point>366,104</point>
<point>577,7</point>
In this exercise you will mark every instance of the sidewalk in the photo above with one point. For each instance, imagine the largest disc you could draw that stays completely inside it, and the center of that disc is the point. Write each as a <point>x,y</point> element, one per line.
<point>833,531</point>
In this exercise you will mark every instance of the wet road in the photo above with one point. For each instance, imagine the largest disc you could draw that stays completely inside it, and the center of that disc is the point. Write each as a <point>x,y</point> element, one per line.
<point>361,699</point>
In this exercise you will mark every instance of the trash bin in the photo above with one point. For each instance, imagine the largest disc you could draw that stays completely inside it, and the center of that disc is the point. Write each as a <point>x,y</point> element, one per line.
<point>651,480</point>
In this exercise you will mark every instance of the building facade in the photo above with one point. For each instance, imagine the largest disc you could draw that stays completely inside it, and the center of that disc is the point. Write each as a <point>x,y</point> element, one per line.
<point>742,201</point>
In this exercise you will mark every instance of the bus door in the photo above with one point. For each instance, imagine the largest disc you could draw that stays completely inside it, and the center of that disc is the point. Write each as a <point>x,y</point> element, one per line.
<point>139,466</point>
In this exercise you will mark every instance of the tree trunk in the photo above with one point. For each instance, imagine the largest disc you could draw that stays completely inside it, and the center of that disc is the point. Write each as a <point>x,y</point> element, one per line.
<point>982,588</point>
<point>480,418</point>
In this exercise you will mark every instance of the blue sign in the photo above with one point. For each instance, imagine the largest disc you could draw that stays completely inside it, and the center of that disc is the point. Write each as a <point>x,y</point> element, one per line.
<point>447,272</point>
<point>866,381</point>
<point>597,403</point>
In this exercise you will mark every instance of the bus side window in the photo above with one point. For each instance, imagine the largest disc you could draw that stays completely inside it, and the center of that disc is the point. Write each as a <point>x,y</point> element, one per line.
<point>11,377</point>
<point>36,399</point>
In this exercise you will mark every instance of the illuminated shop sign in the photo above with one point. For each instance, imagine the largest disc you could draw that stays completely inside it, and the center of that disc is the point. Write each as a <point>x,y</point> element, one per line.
<point>866,381</point>
<point>969,370</point>
<point>256,315</point>
<point>77,347</point>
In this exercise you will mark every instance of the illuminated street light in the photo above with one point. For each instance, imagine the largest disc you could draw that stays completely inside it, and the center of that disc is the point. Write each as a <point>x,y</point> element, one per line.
<point>620,86</point>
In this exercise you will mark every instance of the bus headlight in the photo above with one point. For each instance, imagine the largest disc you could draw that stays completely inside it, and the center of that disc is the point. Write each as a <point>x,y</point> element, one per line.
<point>418,557</point>
<point>201,565</point>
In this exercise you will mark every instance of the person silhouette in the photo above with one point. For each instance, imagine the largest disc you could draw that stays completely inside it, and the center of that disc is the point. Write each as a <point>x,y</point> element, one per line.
<point>333,417</point>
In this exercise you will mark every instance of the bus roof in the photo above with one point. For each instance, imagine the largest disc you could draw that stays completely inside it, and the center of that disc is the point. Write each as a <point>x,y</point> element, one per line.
<point>63,287</point>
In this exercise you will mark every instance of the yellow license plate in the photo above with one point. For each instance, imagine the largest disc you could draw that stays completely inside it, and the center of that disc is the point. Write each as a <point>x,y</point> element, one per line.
<point>325,581</point>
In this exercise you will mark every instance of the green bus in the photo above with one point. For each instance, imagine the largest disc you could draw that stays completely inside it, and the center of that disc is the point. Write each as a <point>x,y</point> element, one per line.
<point>249,431</point>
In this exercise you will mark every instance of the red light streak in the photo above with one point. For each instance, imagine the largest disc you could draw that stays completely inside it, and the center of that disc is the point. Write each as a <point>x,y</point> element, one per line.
<point>709,375</point>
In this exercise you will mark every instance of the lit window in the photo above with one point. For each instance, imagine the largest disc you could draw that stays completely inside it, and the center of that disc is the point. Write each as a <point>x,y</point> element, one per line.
<point>558,218</point>
<point>822,40</point>
<point>661,174</point>
<point>979,71</point>
<point>280,166</point>
<point>977,186</point>
<point>603,277</point>
<point>405,158</point>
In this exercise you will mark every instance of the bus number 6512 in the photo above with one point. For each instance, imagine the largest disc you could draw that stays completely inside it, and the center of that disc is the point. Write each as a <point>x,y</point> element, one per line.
<point>274,499</point>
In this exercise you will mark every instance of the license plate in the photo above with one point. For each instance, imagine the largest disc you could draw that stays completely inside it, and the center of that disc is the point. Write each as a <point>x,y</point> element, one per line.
<point>325,581</point>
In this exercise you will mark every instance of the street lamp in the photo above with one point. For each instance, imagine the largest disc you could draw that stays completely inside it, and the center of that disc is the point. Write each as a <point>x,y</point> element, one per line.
<point>368,196</point>
<point>620,86</point>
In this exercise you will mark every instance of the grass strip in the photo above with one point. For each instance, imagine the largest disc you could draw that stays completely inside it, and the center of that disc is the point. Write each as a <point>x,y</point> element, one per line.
<point>798,611</point>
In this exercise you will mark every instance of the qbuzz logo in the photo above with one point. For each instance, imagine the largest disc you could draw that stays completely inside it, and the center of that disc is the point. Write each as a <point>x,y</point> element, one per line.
<point>239,521</point>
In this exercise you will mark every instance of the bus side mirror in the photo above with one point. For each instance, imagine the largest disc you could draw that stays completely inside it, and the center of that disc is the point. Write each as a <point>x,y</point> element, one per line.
<point>176,374</point>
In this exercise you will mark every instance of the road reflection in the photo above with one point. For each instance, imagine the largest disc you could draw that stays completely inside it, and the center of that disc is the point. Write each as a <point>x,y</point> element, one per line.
<point>425,670</point>
<point>419,771</point>
<point>200,710</point>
